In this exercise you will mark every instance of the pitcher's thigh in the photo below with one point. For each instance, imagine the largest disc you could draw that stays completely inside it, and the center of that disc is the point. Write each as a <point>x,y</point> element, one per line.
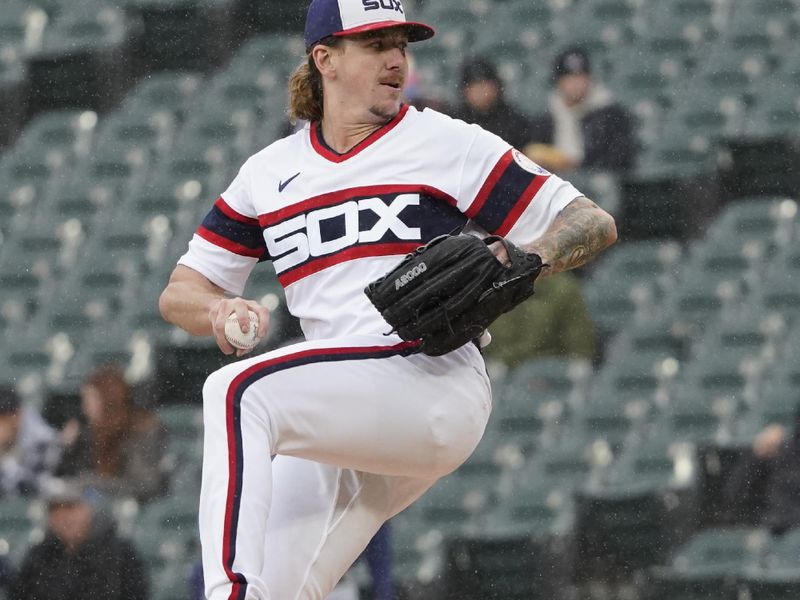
<point>322,519</point>
<point>384,415</point>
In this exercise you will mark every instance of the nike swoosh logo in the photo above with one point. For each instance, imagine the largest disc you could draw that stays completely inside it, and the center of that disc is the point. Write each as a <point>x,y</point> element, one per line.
<point>282,184</point>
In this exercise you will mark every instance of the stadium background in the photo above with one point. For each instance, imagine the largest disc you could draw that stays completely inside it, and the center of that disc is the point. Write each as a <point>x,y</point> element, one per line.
<point>120,121</point>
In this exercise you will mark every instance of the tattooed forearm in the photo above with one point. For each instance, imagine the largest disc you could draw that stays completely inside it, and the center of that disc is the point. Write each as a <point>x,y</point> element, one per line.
<point>580,232</point>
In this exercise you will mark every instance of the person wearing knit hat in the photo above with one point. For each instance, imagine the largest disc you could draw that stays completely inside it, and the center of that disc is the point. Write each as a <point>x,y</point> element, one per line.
<point>484,103</point>
<point>583,125</point>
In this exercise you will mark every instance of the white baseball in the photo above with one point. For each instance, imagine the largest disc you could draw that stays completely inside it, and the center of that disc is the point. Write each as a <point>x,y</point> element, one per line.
<point>239,339</point>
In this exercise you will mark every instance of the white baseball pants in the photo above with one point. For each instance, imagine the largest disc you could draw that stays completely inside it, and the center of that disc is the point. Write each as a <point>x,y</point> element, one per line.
<point>359,427</point>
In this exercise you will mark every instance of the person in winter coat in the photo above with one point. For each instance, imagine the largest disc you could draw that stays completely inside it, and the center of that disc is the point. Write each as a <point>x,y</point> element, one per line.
<point>81,556</point>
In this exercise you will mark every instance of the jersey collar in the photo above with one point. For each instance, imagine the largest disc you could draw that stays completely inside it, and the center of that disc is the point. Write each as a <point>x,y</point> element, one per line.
<point>321,146</point>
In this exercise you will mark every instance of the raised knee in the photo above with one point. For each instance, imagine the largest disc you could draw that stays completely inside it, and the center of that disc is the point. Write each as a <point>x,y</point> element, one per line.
<point>217,384</point>
<point>453,439</point>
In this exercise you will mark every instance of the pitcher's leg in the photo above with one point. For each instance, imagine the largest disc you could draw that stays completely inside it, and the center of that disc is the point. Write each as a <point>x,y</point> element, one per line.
<point>322,519</point>
<point>235,494</point>
<point>350,402</point>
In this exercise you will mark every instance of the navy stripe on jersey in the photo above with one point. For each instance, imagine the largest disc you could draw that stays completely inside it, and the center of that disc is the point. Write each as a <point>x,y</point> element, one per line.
<point>496,202</point>
<point>237,233</point>
<point>363,222</point>
<point>233,409</point>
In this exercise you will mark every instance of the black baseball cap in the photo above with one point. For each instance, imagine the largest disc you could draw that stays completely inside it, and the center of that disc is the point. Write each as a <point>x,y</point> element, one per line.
<point>347,17</point>
<point>572,61</point>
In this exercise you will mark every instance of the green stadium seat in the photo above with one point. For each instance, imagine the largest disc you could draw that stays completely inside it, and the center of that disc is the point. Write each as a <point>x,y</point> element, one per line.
<point>656,335</point>
<point>610,419</point>
<point>277,53</point>
<point>16,527</point>
<point>778,403</point>
<point>777,577</point>
<point>733,69</point>
<point>189,163</point>
<point>757,33</point>
<point>636,518</point>
<point>170,30</point>
<point>21,25</point>
<point>613,307</point>
<point>35,168</point>
<point>730,260</point>
<point>521,416</point>
<point>459,501</point>
<point>599,40</point>
<point>83,61</point>
<point>702,297</point>
<point>29,356</point>
<point>788,373</point>
<point>723,370</point>
<point>745,219</point>
<point>690,416</point>
<point>682,12</point>
<point>153,130</point>
<point>706,566</point>
<point>224,129</point>
<point>119,168</point>
<point>708,110</point>
<point>681,149</point>
<point>635,375</point>
<point>531,12</point>
<point>86,202</point>
<point>533,510</point>
<point>547,377</point>
<point>776,110</point>
<point>68,130</point>
<point>674,39</point>
<point>568,465</point>
<point>170,91</point>
<point>640,262</point>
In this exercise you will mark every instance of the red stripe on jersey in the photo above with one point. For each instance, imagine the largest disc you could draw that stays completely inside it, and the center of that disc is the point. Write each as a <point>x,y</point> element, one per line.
<point>222,242</point>
<point>232,214</point>
<point>325,152</point>
<point>315,266</point>
<point>333,198</point>
<point>489,184</point>
<point>524,201</point>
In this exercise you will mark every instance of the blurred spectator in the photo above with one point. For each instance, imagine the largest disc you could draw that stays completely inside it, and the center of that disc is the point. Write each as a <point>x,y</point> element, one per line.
<point>764,486</point>
<point>120,448</point>
<point>554,322</point>
<point>29,448</point>
<point>81,555</point>
<point>584,126</point>
<point>483,103</point>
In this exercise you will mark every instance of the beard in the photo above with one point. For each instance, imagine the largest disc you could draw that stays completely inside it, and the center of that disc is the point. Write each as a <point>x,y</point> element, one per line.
<point>385,112</point>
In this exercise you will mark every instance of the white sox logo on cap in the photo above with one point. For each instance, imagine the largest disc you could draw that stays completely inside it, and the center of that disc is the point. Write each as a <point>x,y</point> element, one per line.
<point>347,17</point>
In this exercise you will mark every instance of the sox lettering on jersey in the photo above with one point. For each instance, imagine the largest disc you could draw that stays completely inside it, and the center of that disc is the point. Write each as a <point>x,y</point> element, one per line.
<point>297,239</point>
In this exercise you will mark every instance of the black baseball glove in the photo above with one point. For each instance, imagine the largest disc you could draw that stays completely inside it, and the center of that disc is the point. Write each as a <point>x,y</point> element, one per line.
<point>448,291</point>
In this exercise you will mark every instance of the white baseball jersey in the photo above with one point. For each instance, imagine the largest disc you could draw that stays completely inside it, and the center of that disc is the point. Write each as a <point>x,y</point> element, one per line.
<point>331,223</point>
<point>360,424</point>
